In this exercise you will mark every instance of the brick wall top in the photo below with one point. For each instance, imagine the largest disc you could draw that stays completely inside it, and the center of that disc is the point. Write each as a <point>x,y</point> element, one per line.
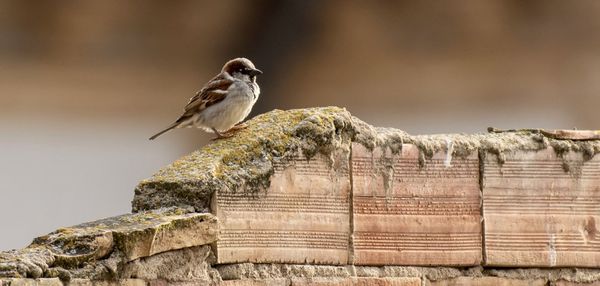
<point>246,162</point>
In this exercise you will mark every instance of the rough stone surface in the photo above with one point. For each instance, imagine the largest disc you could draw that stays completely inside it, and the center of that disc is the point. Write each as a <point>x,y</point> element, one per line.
<point>250,271</point>
<point>243,271</point>
<point>404,281</point>
<point>121,282</point>
<point>28,262</point>
<point>172,283</point>
<point>486,281</point>
<point>96,249</point>
<point>408,212</point>
<point>190,264</point>
<point>135,235</point>
<point>576,275</point>
<point>542,208</point>
<point>73,282</point>
<point>32,282</point>
<point>567,283</point>
<point>80,282</point>
<point>257,282</point>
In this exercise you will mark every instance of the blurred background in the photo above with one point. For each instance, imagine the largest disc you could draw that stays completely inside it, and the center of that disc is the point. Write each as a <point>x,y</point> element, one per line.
<point>83,84</point>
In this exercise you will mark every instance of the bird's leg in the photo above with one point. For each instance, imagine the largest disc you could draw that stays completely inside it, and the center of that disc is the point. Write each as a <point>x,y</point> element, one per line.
<point>229,132</point>
<point>235,128</point>
<point>239,126</point>
<point>221,135</point>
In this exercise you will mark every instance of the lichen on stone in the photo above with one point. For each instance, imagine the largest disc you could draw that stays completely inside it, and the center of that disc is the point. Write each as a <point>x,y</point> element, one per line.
<point>98,248</point>
<point>27,262</point>
<point>245,161</point>
<point>463,145</point>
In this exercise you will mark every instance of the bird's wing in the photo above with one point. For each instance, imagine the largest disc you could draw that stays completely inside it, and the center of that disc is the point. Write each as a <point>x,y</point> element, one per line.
<point>214,92</point>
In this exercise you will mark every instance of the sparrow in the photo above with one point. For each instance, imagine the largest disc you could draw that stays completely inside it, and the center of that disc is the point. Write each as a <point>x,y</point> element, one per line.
<point>224,102</point>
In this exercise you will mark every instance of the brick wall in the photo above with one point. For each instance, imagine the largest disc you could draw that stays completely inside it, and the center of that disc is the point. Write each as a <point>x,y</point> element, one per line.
<point>324,199</point>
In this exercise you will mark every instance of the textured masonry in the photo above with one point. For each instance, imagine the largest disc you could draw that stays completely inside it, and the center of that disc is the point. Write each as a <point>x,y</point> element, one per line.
<point>413,200</point>
<point>542,209</point>
<point>411,213</point>
<point>318,197</point>
<point>302,216</point>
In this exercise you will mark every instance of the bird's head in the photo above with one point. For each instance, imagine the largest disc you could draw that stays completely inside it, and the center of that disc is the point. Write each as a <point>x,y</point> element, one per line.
<point>240,68</point>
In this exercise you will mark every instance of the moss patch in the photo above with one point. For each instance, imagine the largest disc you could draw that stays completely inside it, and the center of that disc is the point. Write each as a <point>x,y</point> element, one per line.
<point>463,145</point>
<point>83,245</point>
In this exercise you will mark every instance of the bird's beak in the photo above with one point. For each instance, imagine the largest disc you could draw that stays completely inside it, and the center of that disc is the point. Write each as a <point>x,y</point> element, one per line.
<point>255,72</point>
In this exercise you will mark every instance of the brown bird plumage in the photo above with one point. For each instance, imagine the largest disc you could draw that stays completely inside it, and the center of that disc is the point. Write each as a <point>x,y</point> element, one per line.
<point>224,101</point>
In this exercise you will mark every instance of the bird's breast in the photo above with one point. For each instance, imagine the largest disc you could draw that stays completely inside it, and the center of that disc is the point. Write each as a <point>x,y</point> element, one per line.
<point>232,110</point>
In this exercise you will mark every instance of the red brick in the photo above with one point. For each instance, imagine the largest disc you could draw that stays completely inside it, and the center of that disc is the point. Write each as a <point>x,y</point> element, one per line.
<point>303,217</point>
<point>538,214</point>
<point>408,214</point>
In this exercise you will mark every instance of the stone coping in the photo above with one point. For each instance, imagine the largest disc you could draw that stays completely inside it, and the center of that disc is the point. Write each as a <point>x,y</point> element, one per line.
<point>113,241</point>
<point>247,161</point>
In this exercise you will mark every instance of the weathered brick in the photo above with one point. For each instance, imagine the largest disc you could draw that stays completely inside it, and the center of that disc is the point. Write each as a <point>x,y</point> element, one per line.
<point>80,282</point>
<point>303,217</point>
<point>398,281</point>
<point>362,281</point>
<point>122,282</point>
<point>162,282</point>
<point>567,283</point>
<point>411,212</point>
<point>132,282</point>
<point>189,264</point>
<point>542,209</point>
<point>257,282</point>
<point>135,235</point>
<point>486,281</point>
<point>33,282</point>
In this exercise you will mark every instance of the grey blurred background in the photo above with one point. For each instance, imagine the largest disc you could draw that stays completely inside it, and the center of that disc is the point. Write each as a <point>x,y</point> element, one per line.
<point>83,84</point>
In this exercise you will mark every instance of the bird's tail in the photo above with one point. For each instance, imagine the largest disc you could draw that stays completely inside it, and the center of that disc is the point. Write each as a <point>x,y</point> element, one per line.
<point>162,132</point>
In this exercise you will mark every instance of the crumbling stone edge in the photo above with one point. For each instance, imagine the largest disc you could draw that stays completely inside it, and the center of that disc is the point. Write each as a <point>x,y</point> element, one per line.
<point>157,271</point>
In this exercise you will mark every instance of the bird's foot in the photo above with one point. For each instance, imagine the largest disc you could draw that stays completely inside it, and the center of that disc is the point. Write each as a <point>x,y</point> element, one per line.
<point>229,132</point>
<point>220,135</point>
<point>239,126</point>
